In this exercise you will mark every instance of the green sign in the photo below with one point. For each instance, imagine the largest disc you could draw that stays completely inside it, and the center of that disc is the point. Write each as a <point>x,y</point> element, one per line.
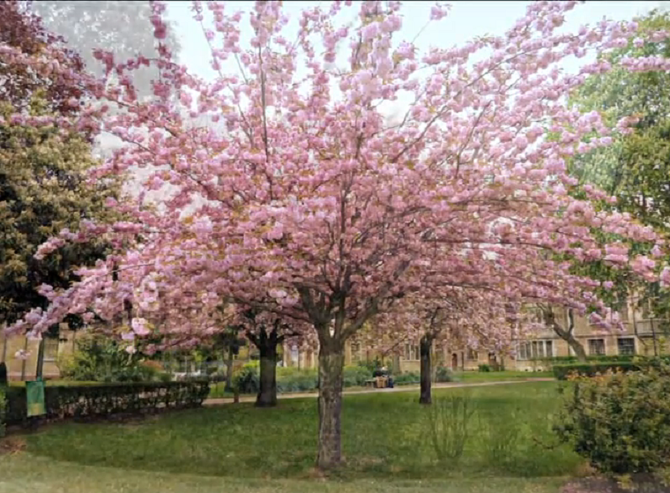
<point>35,398</point>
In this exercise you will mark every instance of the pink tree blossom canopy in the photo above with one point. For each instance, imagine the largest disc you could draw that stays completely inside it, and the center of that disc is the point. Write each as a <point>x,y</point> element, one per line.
<point>286,188</point>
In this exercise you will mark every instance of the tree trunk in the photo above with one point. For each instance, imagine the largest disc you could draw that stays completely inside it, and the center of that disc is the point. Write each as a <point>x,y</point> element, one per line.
<point>331,366</point>
<point>267,379</point>
<point>577,347</point>
<point>229,369</point>
<point>425,347</point>
<point>565,334</point>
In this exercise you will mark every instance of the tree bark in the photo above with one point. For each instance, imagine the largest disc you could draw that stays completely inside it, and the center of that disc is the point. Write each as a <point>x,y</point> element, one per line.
<point>267,379</point>
<point>577,347</point>
<point>331,366</point>
<point>229,369</point>
<point>425,347</point>
<point>566,334</point>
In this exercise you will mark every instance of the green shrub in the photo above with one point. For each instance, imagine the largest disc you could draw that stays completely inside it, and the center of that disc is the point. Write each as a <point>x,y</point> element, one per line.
<point>407,378</point>
<point>502,432</point>
<point>100,400</point>
<point>448,426</point>
<point>484,368</point>
<point>356,376</point>
<point>99,359</point>
<point>245,379</point>
<point>291,379</point>
<point>620,421</point>
<point>443,374</point>
<point>3,405</point>
<point>297,381</point>
<point>371,365</point>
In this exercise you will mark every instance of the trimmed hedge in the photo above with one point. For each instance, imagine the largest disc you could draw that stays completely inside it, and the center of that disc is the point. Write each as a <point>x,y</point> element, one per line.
<point>631,363</point>
<point>564,360</point>
<point>107,399</point>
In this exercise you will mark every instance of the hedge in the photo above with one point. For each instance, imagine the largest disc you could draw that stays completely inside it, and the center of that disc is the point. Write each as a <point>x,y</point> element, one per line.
<point>106,399</point>
<point>290,379</point>
<point>564,360</point>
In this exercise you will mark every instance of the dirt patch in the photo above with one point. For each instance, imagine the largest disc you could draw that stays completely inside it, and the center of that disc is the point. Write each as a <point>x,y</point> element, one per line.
<point>639,484</point>
<point>12,445</point>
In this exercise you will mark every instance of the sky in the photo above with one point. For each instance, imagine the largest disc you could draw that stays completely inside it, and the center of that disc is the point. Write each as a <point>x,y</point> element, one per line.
<point>467,20</point>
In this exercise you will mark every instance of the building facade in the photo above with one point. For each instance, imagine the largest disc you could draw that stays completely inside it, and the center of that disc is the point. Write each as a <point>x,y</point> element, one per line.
<point>55,349</point>
<point>642,335</point>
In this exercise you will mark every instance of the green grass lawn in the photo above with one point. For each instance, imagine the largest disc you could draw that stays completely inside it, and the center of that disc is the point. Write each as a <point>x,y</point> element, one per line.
<point>499,376</point>
<point>386,444</point>
<point>25,472</point>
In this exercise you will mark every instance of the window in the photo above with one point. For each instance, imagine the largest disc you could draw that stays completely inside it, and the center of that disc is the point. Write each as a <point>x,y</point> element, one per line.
<point>626,345</point>
<point>50,348</point>
<point>597,347</point>
<point>355,352</point>
<point>411,352</point>
<point>523,351</point>
<point>535,350</point>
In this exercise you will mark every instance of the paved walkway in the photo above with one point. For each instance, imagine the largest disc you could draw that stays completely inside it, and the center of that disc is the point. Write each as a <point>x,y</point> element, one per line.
<point>403,388</point>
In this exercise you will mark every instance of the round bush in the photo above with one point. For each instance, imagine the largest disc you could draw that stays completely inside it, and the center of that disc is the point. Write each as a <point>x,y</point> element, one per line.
<point>620,421</point>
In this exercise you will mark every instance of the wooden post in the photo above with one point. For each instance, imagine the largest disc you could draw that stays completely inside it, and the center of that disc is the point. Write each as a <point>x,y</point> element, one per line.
<point>23,363</point>
<point>39,370</point>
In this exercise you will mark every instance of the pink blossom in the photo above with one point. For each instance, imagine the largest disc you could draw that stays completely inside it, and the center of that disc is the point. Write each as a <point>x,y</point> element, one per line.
<point>139,326</point>
<point>22,354</point>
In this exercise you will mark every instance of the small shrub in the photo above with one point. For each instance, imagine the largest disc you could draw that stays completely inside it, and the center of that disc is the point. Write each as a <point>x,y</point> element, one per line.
<point>355,376</point>
<point>371,365</point>
<point>407,378</point>
<point>298,381</point>
<point>501,432</point>
<point>98,359</point>
<point>620,421</point>
<point>164,377</point>
<point>448,425</point>
<point>484,368</point>
<point>246,379</point>
<point>443,374</point>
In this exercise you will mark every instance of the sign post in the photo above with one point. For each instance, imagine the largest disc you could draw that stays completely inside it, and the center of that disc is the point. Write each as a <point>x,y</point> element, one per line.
<point>35,398</point>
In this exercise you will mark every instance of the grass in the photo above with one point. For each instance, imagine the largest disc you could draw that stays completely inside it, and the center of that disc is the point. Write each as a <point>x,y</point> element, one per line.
<point>496,376</point>
<point>25,472</point>
<point>384,439</point>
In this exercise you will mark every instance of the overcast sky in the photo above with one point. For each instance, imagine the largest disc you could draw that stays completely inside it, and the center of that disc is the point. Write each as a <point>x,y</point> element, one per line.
<point>467,19</point>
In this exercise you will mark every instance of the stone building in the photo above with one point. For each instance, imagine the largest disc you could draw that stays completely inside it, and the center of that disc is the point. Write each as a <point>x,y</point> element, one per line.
<point>55,349</point>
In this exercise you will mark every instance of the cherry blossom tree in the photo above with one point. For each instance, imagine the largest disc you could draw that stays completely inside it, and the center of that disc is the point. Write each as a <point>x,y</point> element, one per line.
<point>267,331</point>
<point>311,205</point>
<point>453,317</point>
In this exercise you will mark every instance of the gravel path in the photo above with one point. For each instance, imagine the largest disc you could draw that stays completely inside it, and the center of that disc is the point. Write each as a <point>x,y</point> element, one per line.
<point>404,388</point>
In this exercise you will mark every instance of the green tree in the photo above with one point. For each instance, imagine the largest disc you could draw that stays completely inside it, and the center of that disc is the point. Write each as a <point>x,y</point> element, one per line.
<point>636,169</point>
<point>43,174</point>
